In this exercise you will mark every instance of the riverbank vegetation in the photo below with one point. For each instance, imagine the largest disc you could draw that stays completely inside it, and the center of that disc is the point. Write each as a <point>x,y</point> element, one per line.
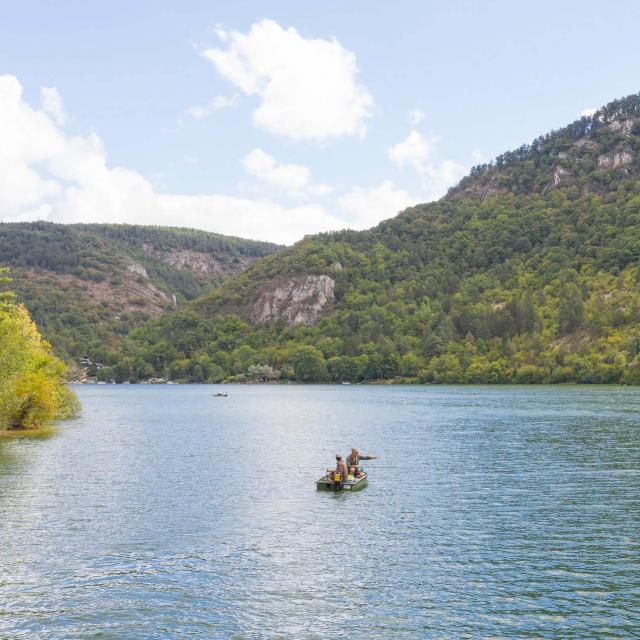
<point>32,389</point>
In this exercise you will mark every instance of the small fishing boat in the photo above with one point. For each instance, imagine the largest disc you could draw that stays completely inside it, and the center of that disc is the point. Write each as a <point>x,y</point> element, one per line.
<point>355,484</point>
<point>219,395</point>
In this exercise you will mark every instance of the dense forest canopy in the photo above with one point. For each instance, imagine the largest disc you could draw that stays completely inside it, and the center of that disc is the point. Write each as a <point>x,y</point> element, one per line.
<point>574,150</point>
<point>527,271</point>
<point>88,285</point>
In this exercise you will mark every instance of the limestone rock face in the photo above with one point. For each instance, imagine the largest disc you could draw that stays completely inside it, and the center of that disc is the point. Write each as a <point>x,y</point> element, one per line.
<point>614,160</point>
<point>625,127</point>
<point>559,173</point>
<point>198,262</point>
<point>138,269</point>
<point>295,300</point>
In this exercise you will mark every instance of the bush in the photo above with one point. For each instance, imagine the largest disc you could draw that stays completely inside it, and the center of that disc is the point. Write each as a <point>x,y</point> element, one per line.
<point>32,390</point>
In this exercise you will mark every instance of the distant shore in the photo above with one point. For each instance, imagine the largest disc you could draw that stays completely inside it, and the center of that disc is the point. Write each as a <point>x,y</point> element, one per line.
<point>407,382</point>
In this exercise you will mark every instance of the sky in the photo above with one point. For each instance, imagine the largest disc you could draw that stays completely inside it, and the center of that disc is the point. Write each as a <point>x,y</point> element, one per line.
<point>273,120</point>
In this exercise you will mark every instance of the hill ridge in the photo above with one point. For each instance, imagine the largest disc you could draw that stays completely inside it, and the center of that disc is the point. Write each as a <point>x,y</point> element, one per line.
<point>88,285</point>
<point>527,271</point>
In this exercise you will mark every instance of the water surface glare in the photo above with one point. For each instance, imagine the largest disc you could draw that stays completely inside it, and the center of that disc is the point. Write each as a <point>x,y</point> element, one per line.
<point>164,512</point>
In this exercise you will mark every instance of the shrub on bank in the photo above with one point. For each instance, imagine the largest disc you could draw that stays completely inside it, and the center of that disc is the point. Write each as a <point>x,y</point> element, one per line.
<point>32,389</point>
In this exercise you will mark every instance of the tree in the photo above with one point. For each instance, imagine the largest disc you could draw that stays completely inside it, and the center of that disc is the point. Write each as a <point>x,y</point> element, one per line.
<point>343,368</point>
<point>410,365</point>
<point>570,310</point>
<point>31,378</point>
<point>6,297</point>
<point>262,372</point>
<point>309,364</point>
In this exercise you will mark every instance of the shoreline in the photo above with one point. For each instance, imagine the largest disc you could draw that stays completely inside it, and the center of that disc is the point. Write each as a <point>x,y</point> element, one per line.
<point>387,383</point>
<point>39,432</point>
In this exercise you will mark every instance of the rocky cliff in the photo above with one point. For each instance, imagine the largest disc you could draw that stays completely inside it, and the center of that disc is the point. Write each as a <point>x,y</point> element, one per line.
<point>298,300</point>
<point>91,284</point>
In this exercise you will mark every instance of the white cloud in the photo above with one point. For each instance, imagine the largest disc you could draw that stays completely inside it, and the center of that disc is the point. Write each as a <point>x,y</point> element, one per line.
<point>45,174</point>
<point>52,104</point>
<point>438,177</point>
<point>368,207</point>
<point>198,112</point>
<point>308,87</point>
<point>417,151</point>
<point>224,102</point>
<point>290,177</point>
<point>219,102</point>
<point>588,112</point>
<point>416,116</point>
<point>294,179</point>
<point>414,150</point>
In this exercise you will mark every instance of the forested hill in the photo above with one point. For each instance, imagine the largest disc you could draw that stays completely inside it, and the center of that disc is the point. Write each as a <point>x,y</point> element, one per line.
<point>88,285</point>
<point>526,272</point>
<point>592,154</point>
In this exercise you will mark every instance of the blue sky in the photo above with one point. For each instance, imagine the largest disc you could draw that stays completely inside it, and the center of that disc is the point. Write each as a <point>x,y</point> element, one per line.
<point>202,113</point>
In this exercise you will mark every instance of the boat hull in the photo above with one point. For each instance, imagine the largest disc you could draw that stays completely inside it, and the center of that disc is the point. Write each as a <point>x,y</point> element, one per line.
<point>351,485</point>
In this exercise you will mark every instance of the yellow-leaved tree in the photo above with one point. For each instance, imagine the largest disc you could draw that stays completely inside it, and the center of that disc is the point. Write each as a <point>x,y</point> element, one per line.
<point>32,390</point>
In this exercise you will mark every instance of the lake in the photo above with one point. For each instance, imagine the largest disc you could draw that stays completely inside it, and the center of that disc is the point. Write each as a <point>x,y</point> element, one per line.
<point>164,512</point>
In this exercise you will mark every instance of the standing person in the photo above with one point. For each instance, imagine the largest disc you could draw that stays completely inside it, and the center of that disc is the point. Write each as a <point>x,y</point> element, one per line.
<point>353,459</point>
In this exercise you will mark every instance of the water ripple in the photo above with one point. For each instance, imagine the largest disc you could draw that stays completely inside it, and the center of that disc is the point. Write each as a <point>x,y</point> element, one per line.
<point>166,513</point>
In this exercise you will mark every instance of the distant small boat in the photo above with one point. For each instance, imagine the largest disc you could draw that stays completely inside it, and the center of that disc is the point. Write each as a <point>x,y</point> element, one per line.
<point>345,382</point>
<point>220,395</point>
<point>324,484</point>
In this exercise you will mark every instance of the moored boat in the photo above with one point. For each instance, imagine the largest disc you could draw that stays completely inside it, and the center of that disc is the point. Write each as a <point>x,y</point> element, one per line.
<point>324,484</point>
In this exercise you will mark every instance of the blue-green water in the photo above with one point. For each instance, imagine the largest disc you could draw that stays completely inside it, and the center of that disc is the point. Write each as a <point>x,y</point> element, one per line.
<point>167,513</point>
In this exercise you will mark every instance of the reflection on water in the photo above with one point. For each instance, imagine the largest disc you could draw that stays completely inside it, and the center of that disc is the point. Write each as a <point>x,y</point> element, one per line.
<point>166,513</point>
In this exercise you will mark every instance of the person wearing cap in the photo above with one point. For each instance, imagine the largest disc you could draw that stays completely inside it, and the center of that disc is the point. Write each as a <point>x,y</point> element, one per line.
<point>341,468</point>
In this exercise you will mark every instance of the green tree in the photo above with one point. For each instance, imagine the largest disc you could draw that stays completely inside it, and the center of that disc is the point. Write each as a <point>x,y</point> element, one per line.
<point>309,364</point>
<point>570,310</point>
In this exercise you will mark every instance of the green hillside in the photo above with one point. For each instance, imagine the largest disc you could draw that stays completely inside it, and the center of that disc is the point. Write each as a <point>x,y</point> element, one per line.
<point>88,285</point>
<point>527,271</point>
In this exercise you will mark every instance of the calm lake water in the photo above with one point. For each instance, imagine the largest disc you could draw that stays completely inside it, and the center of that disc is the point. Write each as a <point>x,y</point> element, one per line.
<point>164,512</point>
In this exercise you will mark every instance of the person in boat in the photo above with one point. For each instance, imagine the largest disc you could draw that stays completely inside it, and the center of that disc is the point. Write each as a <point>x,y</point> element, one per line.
<point>341,468</point>
<point>353,460</point>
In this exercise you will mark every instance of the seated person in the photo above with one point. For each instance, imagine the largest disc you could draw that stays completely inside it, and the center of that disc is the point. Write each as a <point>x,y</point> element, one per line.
<point>341,468</point>
<point>353,460</point>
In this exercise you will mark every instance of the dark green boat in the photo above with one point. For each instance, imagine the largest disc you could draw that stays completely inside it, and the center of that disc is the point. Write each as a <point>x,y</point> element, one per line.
<point>324,484</point>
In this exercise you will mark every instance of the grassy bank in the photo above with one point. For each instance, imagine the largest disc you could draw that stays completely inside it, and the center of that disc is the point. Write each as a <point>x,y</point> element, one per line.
<point>45,431</point>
